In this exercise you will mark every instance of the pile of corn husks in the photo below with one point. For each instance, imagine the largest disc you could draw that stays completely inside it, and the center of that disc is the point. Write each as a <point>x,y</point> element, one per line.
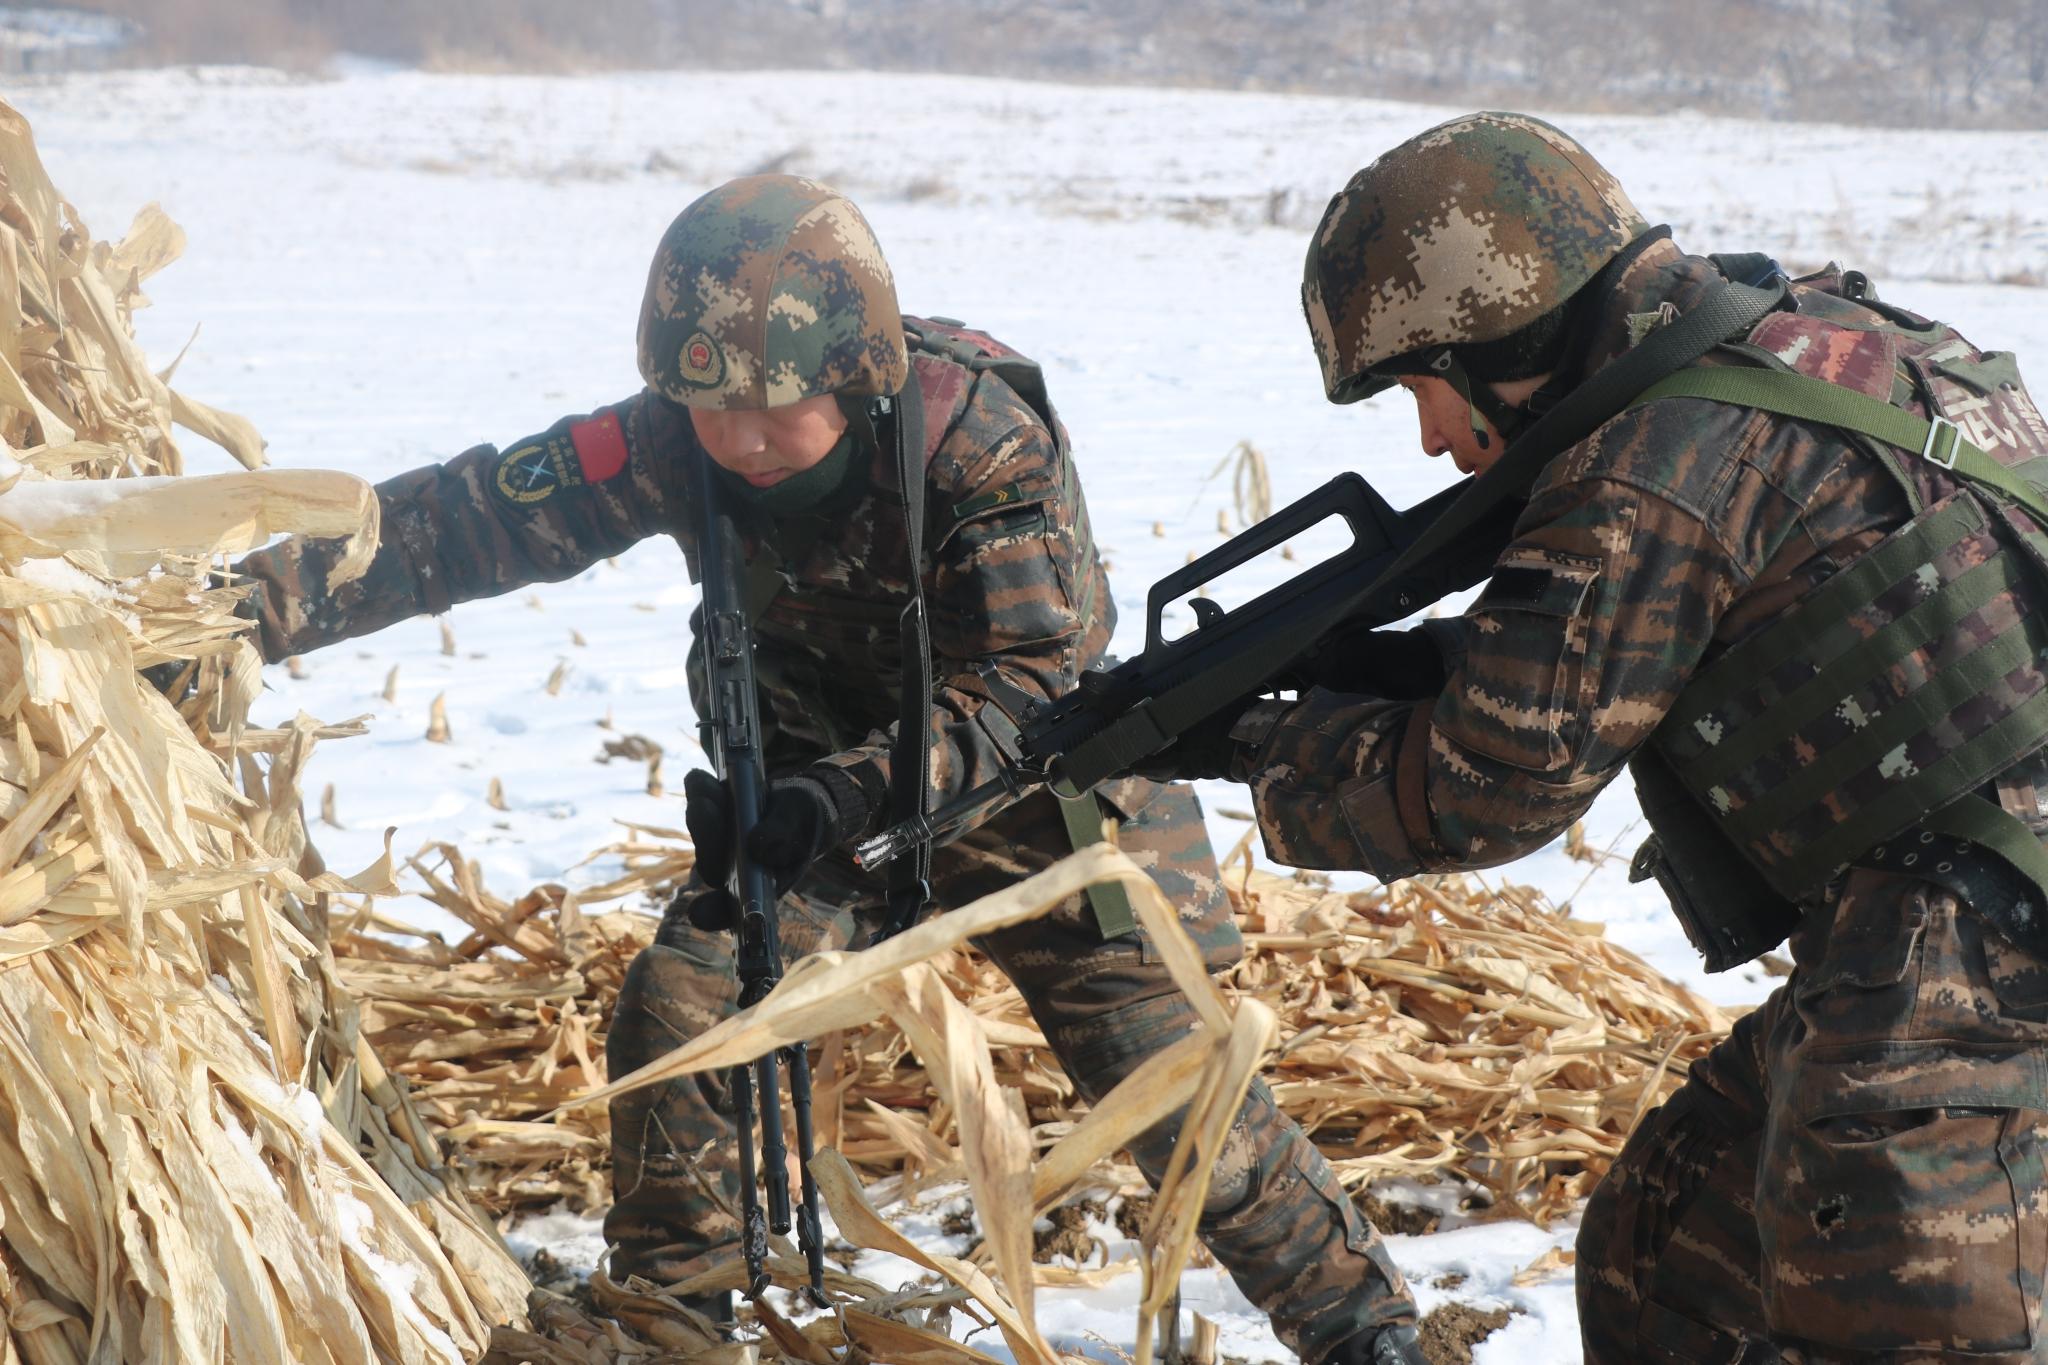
<point>200,1156</point>
<point>1445,1027</point>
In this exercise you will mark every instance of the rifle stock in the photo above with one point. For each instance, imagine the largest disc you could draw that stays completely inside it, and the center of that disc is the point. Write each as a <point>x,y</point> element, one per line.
<point>1117,716</point>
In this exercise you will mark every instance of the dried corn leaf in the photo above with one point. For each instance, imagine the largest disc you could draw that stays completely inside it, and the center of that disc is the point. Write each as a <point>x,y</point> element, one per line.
<point>188,1103</point>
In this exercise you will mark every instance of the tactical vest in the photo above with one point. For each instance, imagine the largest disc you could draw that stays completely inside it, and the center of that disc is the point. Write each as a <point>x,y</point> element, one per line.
<point>1862,727</point>
<point>859,630</point>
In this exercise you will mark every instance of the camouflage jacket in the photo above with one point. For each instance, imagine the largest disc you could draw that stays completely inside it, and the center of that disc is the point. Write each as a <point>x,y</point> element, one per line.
<point>1013,579</point>
<point>1677,529</point>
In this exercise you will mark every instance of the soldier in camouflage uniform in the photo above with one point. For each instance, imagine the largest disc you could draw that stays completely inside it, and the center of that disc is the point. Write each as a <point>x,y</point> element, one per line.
<point>770,328</point>
<point>1819,652</point>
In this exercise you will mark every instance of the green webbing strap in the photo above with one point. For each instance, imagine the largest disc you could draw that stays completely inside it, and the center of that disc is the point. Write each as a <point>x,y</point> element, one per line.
<point>1816,400</point>
<point>1937,697</point>
<point>1111,903</point>
<point>1985,822</point>
<point>1934,787</point>
<point>764,584</point>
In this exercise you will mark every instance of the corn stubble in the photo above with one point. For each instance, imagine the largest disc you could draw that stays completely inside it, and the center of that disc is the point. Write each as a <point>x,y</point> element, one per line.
<point>200,1157</point>
<point>1445,1029</point>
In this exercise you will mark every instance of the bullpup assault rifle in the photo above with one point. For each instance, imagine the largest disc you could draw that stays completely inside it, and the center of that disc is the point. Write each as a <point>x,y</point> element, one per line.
<point>730,726</point>
<point>1117,716</point>
<point>1398,562</point>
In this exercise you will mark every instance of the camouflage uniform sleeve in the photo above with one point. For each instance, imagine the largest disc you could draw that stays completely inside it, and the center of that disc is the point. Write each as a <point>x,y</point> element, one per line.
<point>484,523</point>
<point>1594,619</point>
<point>1015,583</point>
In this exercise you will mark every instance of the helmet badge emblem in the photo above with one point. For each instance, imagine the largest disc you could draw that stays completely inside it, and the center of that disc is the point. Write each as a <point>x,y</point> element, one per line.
<point>701,362</point>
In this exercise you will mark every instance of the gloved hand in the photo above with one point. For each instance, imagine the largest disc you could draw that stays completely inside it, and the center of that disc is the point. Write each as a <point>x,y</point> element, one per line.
<point>1205,750</point>
<point>1400,665</point>
<point>803,817</point>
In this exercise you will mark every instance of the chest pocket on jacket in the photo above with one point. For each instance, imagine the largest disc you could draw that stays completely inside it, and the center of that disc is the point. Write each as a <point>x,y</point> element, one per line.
<point>1519,701</point>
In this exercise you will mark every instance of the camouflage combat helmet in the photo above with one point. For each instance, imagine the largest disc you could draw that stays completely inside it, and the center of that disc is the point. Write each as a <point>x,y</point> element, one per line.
<point>1464,234</point>
<point>770,290</point>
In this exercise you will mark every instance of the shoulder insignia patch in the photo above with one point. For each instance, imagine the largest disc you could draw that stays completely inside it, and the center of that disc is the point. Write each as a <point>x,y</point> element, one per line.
<point>1554,587</point>
<point>600,446</point>
<point>535,470</point>
<point>1857,360</point>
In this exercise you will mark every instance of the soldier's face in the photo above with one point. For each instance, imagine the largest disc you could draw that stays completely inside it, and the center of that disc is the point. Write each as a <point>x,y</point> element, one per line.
<point>764,446</point>
<point>1446,420</point>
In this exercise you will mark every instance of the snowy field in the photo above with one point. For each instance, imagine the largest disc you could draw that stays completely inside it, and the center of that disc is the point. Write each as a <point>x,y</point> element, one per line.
<point>391,267</point>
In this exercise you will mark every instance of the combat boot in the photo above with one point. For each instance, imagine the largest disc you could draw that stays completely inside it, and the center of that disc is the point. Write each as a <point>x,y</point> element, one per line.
<point>673,1183</point>
<point>1382,1346</point>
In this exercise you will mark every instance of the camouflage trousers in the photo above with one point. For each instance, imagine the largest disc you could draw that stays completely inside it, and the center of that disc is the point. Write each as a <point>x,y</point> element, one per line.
<point>1856,1173</point>
<point>1276,1217</point>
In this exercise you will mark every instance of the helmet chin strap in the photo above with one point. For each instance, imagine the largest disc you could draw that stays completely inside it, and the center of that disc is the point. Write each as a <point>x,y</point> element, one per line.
<point>1480,401</point>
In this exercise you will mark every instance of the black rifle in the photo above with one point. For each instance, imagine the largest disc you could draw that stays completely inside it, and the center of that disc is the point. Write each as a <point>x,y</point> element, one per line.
<point>1398,563</point>
<point>1116,716</point>
<point>730,730</point>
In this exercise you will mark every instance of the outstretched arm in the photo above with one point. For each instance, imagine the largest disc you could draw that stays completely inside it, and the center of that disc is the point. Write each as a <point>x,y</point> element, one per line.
<point>486,522</point>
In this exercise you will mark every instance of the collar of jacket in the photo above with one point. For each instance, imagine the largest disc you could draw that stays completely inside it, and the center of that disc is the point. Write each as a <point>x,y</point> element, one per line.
<point>1661,274</point>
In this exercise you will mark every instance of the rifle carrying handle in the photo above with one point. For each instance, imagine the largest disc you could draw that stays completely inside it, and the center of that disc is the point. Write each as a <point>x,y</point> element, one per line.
<point>1373,525</point>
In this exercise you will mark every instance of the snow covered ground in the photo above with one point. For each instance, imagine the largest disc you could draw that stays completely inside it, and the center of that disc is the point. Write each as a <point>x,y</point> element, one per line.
<point>392,266</point>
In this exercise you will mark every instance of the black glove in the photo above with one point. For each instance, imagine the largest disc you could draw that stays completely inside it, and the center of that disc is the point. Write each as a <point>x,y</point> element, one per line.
<point>1401,665</point>
<point>1204,750</point>
<point>804,817</point>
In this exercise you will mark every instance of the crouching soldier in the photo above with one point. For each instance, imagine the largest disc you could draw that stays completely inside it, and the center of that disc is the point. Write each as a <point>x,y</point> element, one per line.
<point>1786,565</point>
<point>772,346</point>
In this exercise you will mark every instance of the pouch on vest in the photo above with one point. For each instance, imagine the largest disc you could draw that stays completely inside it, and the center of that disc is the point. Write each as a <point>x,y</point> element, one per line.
<point>1728,911</point>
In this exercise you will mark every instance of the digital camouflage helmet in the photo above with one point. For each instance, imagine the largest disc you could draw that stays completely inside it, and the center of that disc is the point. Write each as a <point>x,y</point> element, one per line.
<point>769,290</point>
<point>1465,234</point>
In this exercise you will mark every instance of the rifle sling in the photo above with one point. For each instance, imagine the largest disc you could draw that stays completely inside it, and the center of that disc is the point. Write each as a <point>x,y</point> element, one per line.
<point>1725,310</point>
<point>910,758</point>
<point>1083,816</point>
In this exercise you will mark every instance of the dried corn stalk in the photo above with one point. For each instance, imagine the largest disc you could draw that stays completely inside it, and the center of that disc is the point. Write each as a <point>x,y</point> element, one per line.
<point>829,992</point>
<point>1443,1027</point>
<point>200,1159</point>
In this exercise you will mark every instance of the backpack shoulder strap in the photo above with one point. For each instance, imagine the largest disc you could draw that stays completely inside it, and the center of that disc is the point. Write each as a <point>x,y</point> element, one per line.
<point>981,353</point>
<point>1806,399</point>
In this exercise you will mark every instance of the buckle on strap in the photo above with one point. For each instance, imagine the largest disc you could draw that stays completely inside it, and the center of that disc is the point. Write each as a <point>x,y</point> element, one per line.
<point>1943,441</point>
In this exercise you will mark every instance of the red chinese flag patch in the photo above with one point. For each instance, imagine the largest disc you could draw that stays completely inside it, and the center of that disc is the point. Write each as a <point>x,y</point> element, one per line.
<point>600,446</point>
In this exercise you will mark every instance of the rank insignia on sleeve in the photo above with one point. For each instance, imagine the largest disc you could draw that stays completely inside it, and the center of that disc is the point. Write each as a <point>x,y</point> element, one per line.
<point>701,362</point>
<point>1001,497</point>
<point>533,472</point>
